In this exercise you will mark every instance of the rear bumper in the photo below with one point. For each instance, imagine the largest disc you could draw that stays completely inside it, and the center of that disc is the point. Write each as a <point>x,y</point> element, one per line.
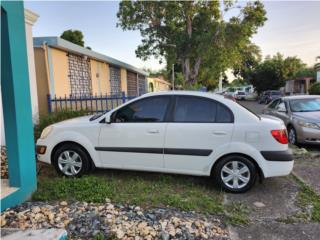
<point>278,163</point>
<point>278,156</point>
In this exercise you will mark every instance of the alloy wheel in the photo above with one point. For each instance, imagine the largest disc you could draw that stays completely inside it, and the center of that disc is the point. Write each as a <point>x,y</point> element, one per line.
<point>292,136</point>
<point>235,174</point>
<point>70,163</point>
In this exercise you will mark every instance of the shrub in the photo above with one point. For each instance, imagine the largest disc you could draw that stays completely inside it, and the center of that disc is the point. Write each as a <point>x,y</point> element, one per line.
<point>315,88</point>
<point>55,117</point>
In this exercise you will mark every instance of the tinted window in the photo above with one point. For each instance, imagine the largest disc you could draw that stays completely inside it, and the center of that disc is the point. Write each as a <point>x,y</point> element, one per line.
<point>274,103</point>
<point>276,93</point>
<point>197,109</point>
<point>152,109</point>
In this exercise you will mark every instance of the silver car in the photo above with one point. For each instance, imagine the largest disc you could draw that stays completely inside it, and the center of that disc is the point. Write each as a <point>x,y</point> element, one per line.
<point>301,114</point>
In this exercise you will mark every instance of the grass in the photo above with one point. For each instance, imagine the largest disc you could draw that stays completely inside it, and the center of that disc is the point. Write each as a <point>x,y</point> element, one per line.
<point>144,189</point>
<point>238,213</point>
<point>308,199</point>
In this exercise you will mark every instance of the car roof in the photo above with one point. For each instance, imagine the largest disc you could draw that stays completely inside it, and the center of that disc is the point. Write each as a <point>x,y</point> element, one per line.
<point>296,97</point>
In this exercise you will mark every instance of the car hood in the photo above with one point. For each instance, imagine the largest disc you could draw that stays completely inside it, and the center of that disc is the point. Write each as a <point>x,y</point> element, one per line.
<point>308,116</point>
<point>74,121</point>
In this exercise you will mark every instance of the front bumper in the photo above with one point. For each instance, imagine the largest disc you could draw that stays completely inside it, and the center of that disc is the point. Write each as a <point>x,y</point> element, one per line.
<point>308,135</point>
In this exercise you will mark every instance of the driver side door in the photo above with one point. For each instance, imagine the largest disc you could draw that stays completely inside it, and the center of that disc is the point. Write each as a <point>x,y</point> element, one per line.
<point>135,137</point>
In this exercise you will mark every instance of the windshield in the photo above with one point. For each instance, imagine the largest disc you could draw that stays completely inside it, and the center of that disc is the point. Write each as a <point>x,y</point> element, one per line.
<point>305,105</point>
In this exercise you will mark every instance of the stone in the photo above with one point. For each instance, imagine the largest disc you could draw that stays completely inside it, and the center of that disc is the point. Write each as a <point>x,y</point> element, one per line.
<point>164,235</point>
<point>35,210</point>
<point>107,200</point>
<point>110,207</point>
<point>120,234</point>
<point>3,220</point>
<point>259,204</point>
<point>63,203</point>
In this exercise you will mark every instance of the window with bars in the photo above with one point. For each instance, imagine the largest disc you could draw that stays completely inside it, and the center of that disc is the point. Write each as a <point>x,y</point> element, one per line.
<point>115,81</point>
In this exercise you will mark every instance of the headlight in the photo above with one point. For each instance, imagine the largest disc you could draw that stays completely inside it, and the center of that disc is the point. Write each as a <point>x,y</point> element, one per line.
<point>46,132</point>
<point>308,125</point>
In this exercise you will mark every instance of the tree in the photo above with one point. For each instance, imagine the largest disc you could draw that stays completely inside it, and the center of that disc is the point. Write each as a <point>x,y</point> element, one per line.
<point>274,71</point>
<point>74,36</point>
<point>192,34</point>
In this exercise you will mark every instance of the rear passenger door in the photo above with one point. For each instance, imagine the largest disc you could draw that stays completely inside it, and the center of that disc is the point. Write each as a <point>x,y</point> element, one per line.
<point>198,127</point>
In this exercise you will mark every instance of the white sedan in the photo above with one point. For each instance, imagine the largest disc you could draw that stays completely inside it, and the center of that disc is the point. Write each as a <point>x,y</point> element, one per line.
<point>179,132</point>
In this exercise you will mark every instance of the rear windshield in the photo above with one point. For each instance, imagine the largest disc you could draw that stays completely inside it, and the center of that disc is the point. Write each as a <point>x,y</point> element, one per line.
<point>275,93</point>
<point>241,93</point>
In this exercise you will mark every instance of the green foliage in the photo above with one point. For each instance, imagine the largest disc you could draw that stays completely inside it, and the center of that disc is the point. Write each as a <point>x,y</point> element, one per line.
<point>274,71</point>
<point>193,35</point>
<point>237,213</point>
<point>306,198</point>
<point>55,117</point>
<point>74,36</point>
<point>150,190</point>
<point>315,89</point>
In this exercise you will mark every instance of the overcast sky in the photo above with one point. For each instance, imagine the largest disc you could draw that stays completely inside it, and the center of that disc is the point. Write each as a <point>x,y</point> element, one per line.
<point>292,28</point>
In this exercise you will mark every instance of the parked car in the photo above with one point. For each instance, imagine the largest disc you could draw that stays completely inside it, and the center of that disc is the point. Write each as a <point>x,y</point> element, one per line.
<point>301,115</point>
<point>183,132</point>
<point>268,96</point>
<point>240,95</point>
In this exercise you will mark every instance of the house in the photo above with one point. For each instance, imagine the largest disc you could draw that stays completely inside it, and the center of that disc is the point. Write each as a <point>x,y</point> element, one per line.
<point>29,19</point>
<point>66,69</point>
<point>16,89</point>
<point>157,84</point>
<point>298,86</point>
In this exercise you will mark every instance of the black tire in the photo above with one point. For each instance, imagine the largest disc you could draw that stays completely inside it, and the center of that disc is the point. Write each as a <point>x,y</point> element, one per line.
<point>217,173</point>
<point>83,157</point>
<point>292,135</point>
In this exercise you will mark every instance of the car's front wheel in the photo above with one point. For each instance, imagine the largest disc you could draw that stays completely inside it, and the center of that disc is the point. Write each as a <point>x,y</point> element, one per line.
<point>235,173</point>
<point>71,160</point>
<point>292,135</point>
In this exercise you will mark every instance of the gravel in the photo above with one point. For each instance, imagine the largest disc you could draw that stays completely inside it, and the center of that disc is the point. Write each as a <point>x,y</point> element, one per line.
<point>86,220</point>
<point>4,163</point>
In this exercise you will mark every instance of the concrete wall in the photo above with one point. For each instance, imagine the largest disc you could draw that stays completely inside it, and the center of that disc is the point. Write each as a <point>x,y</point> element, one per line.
<point>60,72</point>
<point>100,76</point>
<point>42,75</point>
<point>30,19</point>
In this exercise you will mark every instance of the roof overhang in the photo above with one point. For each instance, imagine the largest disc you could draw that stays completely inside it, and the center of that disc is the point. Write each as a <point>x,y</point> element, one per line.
<point>59,43</point>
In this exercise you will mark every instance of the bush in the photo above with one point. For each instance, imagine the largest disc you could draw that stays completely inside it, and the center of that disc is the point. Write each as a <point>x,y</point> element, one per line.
<point>315,89</point>
<point>55,117</point>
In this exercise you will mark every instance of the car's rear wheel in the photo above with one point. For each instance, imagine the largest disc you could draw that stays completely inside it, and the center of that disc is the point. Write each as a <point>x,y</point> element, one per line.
<point>292,135</point>
<point>235,173</point>
<point>71,160</point>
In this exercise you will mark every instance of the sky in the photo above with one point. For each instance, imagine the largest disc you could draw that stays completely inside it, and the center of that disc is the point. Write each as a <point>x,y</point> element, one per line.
<point>292,28</point>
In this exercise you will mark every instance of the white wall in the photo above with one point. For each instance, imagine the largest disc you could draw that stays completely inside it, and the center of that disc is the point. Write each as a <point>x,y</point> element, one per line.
<point>30,19</point>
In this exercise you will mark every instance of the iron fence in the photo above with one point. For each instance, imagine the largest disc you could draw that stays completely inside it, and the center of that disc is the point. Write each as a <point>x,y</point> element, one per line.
<point>92,103</point>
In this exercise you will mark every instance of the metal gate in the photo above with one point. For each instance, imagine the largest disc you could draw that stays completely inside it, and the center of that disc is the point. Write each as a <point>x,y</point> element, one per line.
<point>115,81</point>
<point>132,82</point>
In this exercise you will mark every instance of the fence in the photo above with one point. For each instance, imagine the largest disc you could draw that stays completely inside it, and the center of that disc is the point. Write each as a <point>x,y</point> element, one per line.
<point>92,104</point>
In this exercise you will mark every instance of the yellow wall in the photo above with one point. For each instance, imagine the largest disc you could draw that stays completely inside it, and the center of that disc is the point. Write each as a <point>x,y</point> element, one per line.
<point>124,87</point>
<point>42,79</point>
<point>100,72</point>
<point>158,84</point>
<point>60,73</point>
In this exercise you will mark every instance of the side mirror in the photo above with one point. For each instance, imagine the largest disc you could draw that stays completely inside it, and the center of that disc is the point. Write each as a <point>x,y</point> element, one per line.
<point>108,119</point>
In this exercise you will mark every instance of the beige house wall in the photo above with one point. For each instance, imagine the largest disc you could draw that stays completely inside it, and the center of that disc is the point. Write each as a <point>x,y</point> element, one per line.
<point>158,84</point>
<point>124,87</point>
<point>42,79</point>
<point>100,76</point>
<point>60,73</point>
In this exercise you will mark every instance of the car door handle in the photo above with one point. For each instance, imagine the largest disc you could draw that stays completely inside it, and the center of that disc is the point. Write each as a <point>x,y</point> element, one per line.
<point>153,131</point>
<point>219,132</point>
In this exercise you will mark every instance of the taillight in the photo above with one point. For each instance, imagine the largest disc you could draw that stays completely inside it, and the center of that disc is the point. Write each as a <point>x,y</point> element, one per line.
<point>280,135</point>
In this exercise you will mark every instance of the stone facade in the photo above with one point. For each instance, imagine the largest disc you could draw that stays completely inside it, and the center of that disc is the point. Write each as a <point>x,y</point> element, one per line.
<point>79,75</point>
<point>115,81</point>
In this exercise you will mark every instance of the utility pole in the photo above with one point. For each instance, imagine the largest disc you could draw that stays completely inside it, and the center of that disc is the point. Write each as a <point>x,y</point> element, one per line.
<point>172,76</point>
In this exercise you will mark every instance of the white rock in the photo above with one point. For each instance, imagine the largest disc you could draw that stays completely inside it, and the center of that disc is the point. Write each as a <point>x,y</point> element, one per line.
<point>259,204</point>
